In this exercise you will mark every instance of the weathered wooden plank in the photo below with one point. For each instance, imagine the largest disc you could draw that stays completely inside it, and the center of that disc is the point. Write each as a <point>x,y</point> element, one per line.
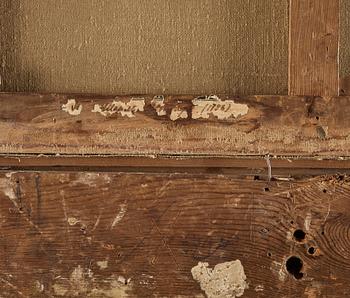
<point>149,235</point>
<point>174,125</point>
<point>314,47</point>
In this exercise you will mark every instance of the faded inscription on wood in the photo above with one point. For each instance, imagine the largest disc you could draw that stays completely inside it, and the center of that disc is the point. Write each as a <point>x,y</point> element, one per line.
<point>174,125</point>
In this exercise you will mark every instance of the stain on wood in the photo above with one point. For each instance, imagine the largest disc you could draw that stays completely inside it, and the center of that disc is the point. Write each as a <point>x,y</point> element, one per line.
<point>314,47</point>
<point>148,125</point>
<point>88,234</point>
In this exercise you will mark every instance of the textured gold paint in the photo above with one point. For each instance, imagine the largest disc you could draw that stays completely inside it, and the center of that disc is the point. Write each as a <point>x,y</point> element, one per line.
<point>145,46</point>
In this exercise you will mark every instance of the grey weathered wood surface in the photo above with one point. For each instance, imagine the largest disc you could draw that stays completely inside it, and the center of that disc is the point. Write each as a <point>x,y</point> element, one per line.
<point>179,125</point>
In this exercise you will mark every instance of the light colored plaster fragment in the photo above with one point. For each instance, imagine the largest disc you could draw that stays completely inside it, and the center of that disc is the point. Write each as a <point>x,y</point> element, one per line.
<point>221,109</point>
<point>307,222</point>
<point>178,113</point>
<point>72,221</point>
<point>158,104</point>
<point>226,280</point>
<point>127,109</point>
<point>102,264</point>
<point>7,189</point>
<point>72,108</point>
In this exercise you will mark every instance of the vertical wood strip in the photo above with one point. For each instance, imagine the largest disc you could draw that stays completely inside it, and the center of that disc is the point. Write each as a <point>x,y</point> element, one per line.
<point>314,47</point>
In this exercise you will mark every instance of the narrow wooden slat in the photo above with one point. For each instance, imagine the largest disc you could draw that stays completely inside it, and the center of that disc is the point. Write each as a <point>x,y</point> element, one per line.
<point>174,125</point>
<point>314,47</point>
<point>145,235</point>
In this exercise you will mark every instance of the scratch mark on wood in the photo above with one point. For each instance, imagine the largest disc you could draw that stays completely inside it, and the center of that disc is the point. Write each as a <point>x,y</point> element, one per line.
<point>120,215</point>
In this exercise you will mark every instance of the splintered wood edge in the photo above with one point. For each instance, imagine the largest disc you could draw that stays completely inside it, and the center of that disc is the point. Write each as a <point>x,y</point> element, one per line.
<point>177,126</point>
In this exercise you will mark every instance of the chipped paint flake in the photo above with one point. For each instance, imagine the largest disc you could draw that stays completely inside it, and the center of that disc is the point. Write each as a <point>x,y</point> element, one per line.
<point>203,107</point>
<point>72,221</point>
<point>72,108</point>
<point>102,264</point>
<point>307,222</point>
<point>178,113</point>
<point>120,215</point>
<point>158,104</point>
<point>225,280</point>
<point>127,109</point>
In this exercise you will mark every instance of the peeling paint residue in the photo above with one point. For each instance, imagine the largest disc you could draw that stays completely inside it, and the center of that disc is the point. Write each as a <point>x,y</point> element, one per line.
<point>102,264</point>
<point>158,104</point>
<point>203,107</point>
<point>308,221</point>
<point>226,280</point>
<point>72,108</point>
<point>127,109</point>
<point>82,283</point>
<point>178,113</point>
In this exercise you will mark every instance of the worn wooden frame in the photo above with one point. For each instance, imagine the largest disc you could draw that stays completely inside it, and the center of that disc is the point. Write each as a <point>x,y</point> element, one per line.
<point>264,177</point>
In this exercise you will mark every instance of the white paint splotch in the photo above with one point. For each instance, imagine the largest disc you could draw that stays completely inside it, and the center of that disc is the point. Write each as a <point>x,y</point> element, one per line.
<point>72,108</point>
<point>203,108</point>
<point>178,113</point>
<point>226,280</point>
<point>158,103</point>
<point>125,109</point>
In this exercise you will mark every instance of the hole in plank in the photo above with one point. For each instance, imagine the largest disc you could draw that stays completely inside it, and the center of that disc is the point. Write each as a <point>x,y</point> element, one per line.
<point>311,250</point>
<point>266,189</point>
<point>299,235</point>
<point>294,266</point>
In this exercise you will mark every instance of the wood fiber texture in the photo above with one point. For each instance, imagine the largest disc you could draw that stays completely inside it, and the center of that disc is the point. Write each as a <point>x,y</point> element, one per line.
<point>174,125</point>
<point>314,47</point>
<point>139,46</point>
<point>345,38</point>
<point>87,234</point>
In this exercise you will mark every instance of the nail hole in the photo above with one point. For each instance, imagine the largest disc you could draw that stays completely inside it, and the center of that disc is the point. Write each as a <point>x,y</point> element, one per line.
<point>294,266</point>
<point>325,191</point>
<point>269,254</point>
<point>317,118</point>
<point>266,189</point>
<point>256,177</point>
<point>299,235</point>
<point>311,250</point>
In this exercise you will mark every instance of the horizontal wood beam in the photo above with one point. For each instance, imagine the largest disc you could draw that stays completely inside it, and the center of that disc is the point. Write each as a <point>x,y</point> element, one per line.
<point>314,47</point>
<point>139,235</point>
<point>174,125</point>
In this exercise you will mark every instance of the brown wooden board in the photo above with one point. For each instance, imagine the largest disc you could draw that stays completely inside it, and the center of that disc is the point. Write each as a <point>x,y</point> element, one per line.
<point>85,234</point>
<point>174,125</point>
<point>314,47</point>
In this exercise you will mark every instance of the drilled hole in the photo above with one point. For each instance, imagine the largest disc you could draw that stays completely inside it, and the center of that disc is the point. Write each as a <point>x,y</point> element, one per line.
<point>269,254</point>
<point>311,250</point>
<point>294,266</point>
<point>299,235</point>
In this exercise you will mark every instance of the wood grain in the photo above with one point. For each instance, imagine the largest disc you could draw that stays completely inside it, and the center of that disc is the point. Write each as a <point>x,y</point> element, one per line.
<point>275,125</point>
<point>89,234</point>
<point>314,47</point>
